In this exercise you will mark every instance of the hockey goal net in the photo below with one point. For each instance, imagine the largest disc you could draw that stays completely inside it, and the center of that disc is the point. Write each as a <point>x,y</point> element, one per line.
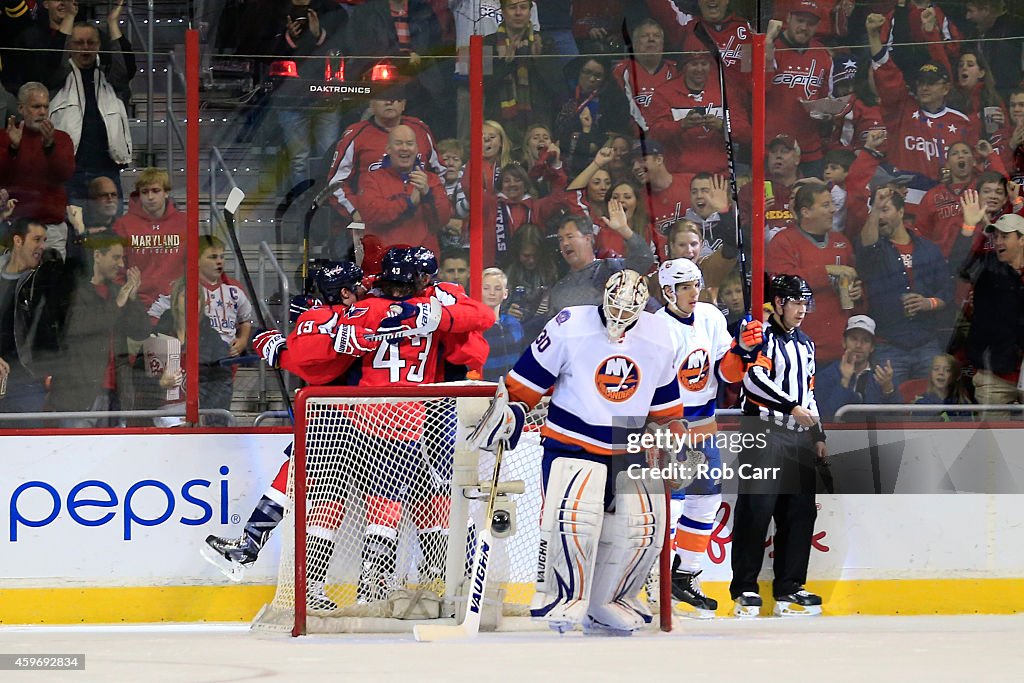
<point>386,499</point>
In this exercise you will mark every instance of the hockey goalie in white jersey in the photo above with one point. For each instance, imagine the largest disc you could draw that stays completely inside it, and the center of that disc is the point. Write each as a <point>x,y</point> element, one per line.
<point>609,368</point>
<point>705,355</point>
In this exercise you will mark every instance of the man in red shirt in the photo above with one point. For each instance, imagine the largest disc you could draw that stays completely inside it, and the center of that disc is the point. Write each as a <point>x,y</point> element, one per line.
<point>363,145</point>
<point>781,163</point>
<point>36,160</point>
<point>730,32</point>
<point>923,127</point>
<point>645,70</point>
<point>687,117</point>
<point>940,217</point>
<point>802,71</point>
<point>812,250</point>
<point>400,202</point>
<point>668,196</point>
<point>154,232</point>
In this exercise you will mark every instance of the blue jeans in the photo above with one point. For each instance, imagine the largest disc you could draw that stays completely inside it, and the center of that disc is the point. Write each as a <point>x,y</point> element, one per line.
<point>913,363</point>
<point>307,133</point>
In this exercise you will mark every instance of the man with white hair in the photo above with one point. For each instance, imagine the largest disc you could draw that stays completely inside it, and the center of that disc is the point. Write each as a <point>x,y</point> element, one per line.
<point>36,160</point>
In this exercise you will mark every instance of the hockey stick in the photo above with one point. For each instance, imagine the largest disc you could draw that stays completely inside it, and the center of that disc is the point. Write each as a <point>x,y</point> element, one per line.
<point>234,200</point>
<point>470,626</point>
<point>704,37</point>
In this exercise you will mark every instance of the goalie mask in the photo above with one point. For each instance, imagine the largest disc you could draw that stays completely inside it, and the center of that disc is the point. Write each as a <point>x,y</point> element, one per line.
<point>675,272</point>
<point>625,297</point>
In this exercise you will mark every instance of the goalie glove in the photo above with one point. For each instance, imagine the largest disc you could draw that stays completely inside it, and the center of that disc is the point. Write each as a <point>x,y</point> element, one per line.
<point>269,345</point>
<point>503,422</point>
<point>351,340</point>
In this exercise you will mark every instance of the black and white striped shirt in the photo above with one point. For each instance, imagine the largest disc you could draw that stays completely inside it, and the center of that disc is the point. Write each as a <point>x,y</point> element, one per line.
<point>781,378</point>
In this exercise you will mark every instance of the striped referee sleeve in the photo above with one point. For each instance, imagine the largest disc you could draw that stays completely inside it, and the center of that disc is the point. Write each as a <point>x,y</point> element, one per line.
<point>781,379</point>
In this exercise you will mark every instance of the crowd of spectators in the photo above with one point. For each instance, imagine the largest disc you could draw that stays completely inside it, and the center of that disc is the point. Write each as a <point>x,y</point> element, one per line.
<point>894,158</point>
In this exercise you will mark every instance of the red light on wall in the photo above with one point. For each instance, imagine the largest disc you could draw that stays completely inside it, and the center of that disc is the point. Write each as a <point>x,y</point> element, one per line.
<point>284,69</point>
<point>382,72</point>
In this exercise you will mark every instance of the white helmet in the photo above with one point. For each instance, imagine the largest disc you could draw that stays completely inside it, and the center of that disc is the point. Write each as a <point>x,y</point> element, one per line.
<point>625,297</point>
<point>677,271</point>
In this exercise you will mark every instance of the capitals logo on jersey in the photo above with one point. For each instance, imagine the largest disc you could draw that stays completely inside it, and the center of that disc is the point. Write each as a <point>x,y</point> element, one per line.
<point>695,371</point>
<point>617,378</point>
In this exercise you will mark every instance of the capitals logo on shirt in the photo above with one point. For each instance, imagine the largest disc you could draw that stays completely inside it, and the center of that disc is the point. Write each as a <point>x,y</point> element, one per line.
<point>695,371</point>
<point>617,378</point>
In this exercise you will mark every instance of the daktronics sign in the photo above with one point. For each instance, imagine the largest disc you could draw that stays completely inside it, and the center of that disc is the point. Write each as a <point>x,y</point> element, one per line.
<point>97,503</point>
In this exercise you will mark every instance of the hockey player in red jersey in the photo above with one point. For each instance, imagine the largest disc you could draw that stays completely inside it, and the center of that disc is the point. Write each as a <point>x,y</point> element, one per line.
<point>334,286</point>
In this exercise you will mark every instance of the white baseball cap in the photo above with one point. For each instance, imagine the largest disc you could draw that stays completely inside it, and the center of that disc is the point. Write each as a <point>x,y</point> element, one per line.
<point>1008,222</point>
<point>861,322</point>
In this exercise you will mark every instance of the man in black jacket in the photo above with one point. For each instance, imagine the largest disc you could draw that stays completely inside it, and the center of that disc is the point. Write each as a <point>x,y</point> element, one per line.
<point>33,294</point>
<point>996,337</point>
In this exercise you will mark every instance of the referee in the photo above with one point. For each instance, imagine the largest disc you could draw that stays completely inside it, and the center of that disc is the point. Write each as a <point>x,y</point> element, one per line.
<point>779,389</point>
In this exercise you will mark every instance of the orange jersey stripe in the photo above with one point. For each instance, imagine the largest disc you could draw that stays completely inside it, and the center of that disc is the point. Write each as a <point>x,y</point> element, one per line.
<point>518,391</point>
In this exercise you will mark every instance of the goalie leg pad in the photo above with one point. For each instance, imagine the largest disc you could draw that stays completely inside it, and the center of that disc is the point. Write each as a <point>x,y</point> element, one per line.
<point>631,541</point>
<point>570,530</point>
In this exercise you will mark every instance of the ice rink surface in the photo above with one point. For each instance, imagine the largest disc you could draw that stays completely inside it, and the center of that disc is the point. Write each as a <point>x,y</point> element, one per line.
<point>825,650</point>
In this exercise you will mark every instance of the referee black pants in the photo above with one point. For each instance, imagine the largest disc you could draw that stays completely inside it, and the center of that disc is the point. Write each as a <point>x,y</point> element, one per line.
<point>789,500</point>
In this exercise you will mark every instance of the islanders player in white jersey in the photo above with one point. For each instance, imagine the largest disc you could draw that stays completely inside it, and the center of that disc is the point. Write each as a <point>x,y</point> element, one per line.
<point>706,354</point>
<point>608,369</point>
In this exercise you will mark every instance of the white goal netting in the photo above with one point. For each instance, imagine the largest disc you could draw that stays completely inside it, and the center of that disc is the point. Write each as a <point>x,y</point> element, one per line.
<point>389,505</point>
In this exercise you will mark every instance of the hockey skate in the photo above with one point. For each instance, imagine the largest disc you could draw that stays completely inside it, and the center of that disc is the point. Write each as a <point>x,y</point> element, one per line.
<point>688,600</point>
<point>316,598</point>
<point>232,556</point>
<point>798,604</point>
<point>747,606</point>
<point>614,619</point>
<point>561,616</point>
<point>379,558</point>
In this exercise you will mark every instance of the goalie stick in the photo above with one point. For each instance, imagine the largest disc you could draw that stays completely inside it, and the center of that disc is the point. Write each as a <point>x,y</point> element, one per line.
<point>470,626</point>
<point>234,200</point>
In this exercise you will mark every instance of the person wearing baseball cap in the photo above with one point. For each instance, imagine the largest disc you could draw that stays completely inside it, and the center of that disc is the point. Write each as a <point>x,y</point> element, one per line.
<point>782,163</point>
<point>852,379</point>
<point>669,191</point>
<point>996,338</point>
<point>803,69</point>
<point>921,127</point>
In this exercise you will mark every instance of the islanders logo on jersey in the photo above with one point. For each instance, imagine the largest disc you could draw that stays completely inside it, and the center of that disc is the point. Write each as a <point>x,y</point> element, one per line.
<point>695,371</point>
<point>617,378</point>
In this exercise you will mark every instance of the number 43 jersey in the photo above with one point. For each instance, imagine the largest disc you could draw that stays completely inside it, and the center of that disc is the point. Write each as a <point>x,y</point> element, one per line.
<point>602,391</point>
